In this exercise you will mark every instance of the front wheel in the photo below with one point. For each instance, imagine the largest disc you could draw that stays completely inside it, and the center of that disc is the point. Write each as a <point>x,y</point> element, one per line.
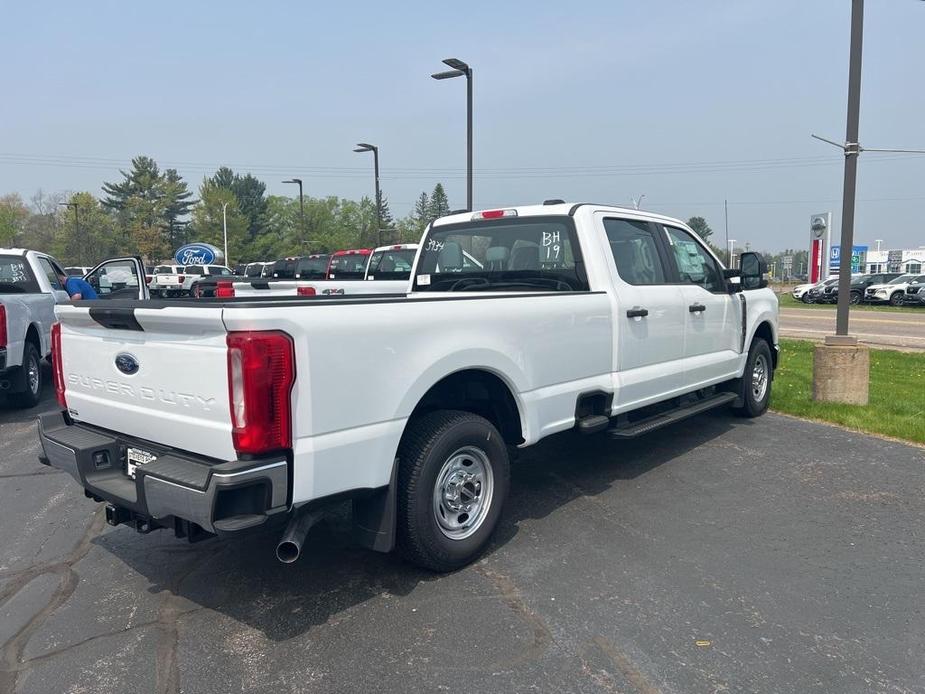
<point>855,298</point>
<point>896,298</point>
<point>755,384</point>
<point>453,479</point>
<point>807,299</point>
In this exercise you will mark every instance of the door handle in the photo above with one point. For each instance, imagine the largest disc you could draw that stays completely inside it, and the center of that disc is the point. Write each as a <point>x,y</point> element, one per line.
<point>696,308</point>
<point>637,312</point>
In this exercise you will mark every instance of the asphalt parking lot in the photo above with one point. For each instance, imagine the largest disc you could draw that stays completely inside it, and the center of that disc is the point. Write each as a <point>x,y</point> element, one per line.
<point>722,554</point>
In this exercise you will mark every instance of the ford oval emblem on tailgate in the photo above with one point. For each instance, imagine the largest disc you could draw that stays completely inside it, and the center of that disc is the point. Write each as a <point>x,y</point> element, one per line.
<point>126,363</point>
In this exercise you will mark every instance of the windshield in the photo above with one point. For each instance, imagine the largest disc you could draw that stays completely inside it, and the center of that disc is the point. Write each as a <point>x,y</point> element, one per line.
<point>391,265</point>
<point>15,276</point>
<point>351,266</point>
<point>194,270</point>
<point>901,279</point>
<point>312,268</point>
<point>535,253</point>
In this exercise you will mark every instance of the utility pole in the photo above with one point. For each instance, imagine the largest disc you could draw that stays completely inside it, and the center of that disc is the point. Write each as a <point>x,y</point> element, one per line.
<point>301,210</point>
<point>225,231</point>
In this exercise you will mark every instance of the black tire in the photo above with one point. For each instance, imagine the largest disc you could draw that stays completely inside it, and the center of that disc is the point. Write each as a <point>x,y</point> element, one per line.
<point>752,405</point>
<point>896,298</point>
<point>854,298</point>
<point>32,392</point>
<point>428,448</point>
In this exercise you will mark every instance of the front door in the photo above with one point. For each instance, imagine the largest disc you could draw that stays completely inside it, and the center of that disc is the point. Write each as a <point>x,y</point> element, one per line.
<point>713,316</point>
<point>648,321</point>
<point>119,278</point>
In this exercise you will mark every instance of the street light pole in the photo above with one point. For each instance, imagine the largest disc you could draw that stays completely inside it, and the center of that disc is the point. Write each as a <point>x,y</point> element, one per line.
<point>459,69</point>
<point>366,147</point>
<point>225,230</point>
<point>80,246</point>
<point>301,210</point>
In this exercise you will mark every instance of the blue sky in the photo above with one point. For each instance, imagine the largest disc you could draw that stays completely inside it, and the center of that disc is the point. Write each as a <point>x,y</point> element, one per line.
<point>594,101</point>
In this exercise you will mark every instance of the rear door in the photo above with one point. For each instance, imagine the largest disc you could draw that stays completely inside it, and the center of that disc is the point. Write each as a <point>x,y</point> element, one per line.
<point>712,316</point>
<point>119,278</point>
<point>648,319</point>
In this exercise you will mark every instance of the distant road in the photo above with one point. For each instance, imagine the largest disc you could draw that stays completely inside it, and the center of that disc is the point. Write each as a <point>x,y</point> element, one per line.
<point>892,330</point>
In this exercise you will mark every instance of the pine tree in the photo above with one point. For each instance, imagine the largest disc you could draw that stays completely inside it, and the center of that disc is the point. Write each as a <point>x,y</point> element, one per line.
<point>421,214</point>
<point>439,204</point>
<point>141,182</point>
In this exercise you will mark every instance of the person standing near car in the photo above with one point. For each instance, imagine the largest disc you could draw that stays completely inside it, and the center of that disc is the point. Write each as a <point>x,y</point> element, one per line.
<point>77,288</point>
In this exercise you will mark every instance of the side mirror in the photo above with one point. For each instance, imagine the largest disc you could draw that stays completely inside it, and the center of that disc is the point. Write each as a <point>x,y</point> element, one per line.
<point>753,270</point>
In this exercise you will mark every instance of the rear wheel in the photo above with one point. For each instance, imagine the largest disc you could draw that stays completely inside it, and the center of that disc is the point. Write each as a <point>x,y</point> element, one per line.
<point>32,378</point>
<point>453,479</point>
<point>755,384</point>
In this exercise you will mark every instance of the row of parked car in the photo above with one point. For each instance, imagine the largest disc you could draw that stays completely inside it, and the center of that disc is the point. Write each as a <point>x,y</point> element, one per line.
<point>392,262</point>
<point>892,288</point>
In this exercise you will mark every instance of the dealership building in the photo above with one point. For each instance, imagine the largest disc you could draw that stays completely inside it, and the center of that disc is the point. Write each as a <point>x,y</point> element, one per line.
<point>906,260</point>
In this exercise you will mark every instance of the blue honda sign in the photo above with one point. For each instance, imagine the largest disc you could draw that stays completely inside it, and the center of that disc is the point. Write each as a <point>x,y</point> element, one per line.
<point>858,254</point>
<point>197,254</point>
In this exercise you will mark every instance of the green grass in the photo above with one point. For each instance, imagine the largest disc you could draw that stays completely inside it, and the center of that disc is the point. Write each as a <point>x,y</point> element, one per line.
<point>897,392</point>
<point>787,301</point>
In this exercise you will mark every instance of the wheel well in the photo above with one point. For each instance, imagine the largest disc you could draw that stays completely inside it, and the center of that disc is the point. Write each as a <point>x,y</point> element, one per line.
<point>764,331</point>
<point>479,392</point>
<point>32,335</point>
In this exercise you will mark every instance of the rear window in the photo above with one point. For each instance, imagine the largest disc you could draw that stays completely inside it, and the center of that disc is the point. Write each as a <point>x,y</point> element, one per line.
<point>349,267</point>
<point>253,270</point>
<point>284,269</point>
<point>163,270</point>
<point>16,277</point>
<point>391,265</point>
<point>530,254</point>
<point>312,268</point>
<point>194,270</point>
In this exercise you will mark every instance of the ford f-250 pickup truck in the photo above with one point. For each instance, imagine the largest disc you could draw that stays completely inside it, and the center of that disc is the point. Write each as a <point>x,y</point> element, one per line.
<point>221,416</point>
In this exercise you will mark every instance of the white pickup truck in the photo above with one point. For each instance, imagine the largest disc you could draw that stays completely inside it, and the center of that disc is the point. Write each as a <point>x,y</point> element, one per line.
<point>222,416</point>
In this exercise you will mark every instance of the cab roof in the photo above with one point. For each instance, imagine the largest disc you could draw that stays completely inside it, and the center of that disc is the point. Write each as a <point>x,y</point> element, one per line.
<point>559,208</point>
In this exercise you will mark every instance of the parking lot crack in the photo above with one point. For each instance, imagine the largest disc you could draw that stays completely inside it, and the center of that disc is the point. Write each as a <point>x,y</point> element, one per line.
<point>11,653</point>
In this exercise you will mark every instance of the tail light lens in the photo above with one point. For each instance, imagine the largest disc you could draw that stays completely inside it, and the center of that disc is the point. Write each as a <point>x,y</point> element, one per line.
<point>261,372</point>
<point>57,365</point>
<point>180,278</point>
<point>3,333</point>
<point>224,289</point>
<point>305,291</point>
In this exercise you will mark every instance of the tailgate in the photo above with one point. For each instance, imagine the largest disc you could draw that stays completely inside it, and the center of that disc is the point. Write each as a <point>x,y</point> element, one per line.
<point>167,280</point>
<point>159,374</point>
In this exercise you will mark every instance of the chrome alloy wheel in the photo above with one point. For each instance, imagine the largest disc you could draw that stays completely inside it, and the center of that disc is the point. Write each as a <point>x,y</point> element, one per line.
<point>33,375</point>
<point>760,374</point>
<point>462,493</point>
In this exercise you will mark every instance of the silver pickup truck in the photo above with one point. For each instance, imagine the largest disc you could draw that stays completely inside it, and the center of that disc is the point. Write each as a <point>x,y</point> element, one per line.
<point>29,291</point>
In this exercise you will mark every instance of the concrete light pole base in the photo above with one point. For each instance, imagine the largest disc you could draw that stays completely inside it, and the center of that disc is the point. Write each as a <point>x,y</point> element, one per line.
<point>841,371</point>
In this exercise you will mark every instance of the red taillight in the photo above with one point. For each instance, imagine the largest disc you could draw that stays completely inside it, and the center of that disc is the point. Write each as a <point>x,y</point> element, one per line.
<point>3,333</point>
<point>305,291</point>
<point>180,278</point>
<point>494,214</point>
<point>148,279</point>
<point>224,289</point>
<point>57,366</point>
<point>261,371</point>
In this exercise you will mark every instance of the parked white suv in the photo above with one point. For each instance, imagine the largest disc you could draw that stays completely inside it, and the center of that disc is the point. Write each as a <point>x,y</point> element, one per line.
<point>893,292</point>
<point>219,417</point>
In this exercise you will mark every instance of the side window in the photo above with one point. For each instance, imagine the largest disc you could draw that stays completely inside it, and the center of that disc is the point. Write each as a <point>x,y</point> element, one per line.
<point>635,251</point>
<point>115,279</point>
<point>695,265</point>
<point>50,273</point>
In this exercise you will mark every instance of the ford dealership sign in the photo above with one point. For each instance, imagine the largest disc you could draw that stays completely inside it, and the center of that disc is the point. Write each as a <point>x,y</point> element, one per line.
<point>197,254</point>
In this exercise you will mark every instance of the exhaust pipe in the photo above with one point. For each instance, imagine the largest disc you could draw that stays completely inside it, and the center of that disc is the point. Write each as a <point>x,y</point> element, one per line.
<point>290,544</point>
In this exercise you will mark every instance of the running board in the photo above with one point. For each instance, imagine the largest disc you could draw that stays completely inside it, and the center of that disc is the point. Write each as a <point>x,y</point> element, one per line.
<point>631,431</point>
